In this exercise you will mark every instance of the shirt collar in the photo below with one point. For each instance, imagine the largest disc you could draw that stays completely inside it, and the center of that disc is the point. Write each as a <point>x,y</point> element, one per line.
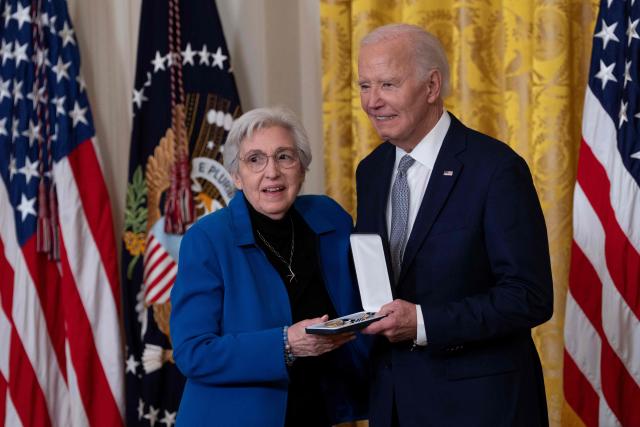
<point>427,149</point>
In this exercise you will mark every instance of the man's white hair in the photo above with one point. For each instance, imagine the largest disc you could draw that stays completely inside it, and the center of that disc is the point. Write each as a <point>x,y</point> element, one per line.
<point>427,51</point>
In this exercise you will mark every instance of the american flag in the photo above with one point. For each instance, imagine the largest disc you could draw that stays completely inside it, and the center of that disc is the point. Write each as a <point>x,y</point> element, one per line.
<point>60,342</point>
<point>602,324</point>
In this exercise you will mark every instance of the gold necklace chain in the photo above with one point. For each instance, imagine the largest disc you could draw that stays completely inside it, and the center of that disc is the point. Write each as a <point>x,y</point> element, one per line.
<point>273,250</point>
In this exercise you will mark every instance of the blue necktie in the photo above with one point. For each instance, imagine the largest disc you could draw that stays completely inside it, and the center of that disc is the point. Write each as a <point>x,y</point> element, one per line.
<point>399,214</point>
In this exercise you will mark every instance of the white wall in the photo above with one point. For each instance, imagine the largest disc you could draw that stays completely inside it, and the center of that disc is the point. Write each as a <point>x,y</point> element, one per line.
<point>275,48</point>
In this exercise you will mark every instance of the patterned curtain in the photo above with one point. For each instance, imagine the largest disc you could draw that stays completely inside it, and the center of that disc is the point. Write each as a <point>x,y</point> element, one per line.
<point>518,73</point>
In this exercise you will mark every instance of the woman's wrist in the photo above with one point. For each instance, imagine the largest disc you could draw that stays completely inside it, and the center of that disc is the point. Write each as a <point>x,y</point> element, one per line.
<point>289,358</point>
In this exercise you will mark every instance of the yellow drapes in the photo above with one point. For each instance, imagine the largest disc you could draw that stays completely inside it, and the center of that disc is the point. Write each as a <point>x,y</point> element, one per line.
<point>518,73</point>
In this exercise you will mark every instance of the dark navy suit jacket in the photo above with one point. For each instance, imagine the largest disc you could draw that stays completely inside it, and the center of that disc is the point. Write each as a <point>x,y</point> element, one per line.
<point>477,261</point>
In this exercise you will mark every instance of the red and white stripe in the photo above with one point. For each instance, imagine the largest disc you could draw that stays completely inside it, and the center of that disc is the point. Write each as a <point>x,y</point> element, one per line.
<point>602,323</point>
<point>160,271</point>
<point>61,359</point>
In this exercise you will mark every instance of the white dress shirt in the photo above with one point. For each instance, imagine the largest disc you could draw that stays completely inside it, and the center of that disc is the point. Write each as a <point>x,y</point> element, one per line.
<point>424,154</point>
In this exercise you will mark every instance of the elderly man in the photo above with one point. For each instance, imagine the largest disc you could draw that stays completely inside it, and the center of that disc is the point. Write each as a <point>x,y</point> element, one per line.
<point>466,248</point>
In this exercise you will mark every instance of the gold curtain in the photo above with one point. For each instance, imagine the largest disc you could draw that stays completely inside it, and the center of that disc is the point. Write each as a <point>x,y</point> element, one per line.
<point>518,73</point>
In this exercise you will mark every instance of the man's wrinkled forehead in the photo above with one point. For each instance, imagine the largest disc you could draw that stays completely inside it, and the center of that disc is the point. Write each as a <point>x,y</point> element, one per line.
<point>389,56</point>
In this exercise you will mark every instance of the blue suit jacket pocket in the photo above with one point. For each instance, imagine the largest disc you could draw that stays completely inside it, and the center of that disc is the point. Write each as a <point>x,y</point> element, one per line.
<point>479,363</point>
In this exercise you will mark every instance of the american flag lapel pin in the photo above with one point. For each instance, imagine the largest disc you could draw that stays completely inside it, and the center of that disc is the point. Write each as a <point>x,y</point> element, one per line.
<point>448,173</point>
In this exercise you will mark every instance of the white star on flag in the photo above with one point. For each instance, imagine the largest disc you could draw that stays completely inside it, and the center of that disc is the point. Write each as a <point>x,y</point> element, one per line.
<point>36,93</point>
<point>14,129</point>
<point>152,416</point>
<point>77,114</point>
<point>44,19</point>
<point>632,32</point>
<point>81,84</point>
<point>59,102</point>
<point>623,113</point>
<point>40,57</point>
<point>169,59</point>
<point>20,53</point>
<point>61,69</point>
<point>187,55</point>
<point>17,92</point>
<point>22,15</point>
<point>31,133</point>
<point>4,90</point>
<point>606,73</point>
<point>158,62</point>
<point>607,33</point>
<point>218,59</point>
<point>169,418</point>
<point>66,34</point>
<point>6,51</point>
<point>138,97</point>
<point>204,55</point>
<point>30,169</point>
<point>13,169</point>
<point>132,364</point>
<point>140,408</point>
<point>7,13</point>
<point>3,127</point>
<point>627,73</point>
<point>26,207</point>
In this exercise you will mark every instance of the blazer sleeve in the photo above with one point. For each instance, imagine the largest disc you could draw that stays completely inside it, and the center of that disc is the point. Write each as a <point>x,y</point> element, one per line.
<point>516,244</point>
<point>201,351</point>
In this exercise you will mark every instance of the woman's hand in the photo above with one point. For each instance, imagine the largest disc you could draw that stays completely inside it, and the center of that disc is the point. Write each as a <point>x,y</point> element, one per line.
<point>304,344</point>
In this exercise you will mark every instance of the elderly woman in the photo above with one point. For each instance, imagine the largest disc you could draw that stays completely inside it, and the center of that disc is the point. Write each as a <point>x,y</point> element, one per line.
<point>251,277</point>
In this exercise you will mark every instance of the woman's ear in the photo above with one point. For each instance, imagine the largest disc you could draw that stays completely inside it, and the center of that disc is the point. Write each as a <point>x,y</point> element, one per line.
<point>237,181</point>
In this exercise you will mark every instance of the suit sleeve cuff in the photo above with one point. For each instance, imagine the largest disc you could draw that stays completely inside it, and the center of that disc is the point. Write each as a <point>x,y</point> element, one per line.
<point>421,333</point>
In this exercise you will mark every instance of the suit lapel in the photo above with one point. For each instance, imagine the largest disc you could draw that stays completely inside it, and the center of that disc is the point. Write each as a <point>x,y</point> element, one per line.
<point>373,201</point>
<point>386,172</point>
<point>446,171</point>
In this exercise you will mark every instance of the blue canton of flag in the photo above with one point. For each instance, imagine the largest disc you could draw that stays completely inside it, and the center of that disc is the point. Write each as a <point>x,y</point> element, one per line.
<point>614,75</point>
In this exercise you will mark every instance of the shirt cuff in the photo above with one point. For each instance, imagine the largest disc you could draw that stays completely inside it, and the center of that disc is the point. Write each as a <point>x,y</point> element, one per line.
<point>421,333</point>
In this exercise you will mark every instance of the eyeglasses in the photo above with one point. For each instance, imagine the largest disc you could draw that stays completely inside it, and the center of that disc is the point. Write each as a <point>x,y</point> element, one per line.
<point>285,158</point>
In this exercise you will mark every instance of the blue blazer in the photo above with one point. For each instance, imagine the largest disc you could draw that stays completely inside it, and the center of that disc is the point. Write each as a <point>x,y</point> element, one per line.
<point>229,306</point>
<point>477,261</point>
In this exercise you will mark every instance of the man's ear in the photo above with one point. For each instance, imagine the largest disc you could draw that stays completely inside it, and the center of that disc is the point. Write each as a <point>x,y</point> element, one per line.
<point>434,83</point>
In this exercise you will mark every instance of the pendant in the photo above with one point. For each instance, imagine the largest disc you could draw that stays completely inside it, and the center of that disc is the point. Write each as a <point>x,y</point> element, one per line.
<point>291,274</point>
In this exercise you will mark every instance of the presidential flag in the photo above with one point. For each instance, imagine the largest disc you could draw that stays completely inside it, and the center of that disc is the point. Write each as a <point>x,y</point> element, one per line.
<point>602,325</point>
<point>184,103</point>
<point>60,345</point>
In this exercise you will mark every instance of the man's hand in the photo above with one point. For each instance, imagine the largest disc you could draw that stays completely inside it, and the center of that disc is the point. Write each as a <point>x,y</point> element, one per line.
<point>400,323</point>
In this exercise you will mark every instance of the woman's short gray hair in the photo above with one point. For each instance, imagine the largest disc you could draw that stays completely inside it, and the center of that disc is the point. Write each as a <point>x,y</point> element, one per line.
<point>427,51</point>
<point>264,118</point>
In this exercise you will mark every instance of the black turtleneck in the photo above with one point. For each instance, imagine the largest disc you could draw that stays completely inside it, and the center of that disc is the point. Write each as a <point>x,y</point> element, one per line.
<point>308,298</point>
